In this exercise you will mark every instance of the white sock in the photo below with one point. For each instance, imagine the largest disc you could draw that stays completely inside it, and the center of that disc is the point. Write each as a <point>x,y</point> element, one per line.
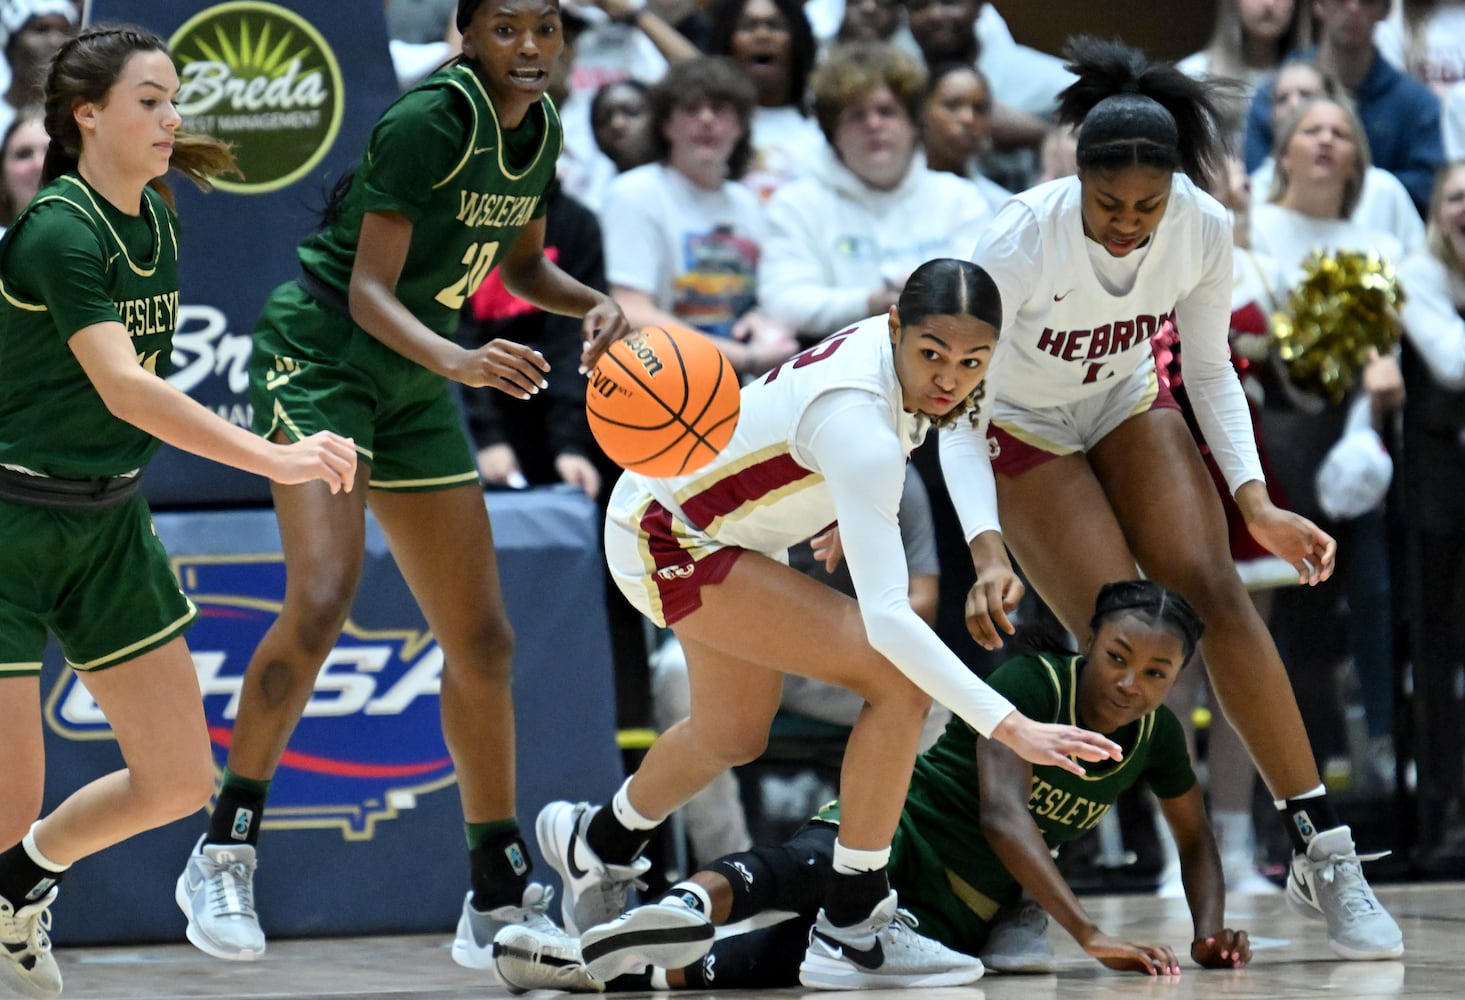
<point>1315,793</point>
<point>695,890</point>
<point>34,852</point>
<point>848,861</point>
<point>658,978</point>
<point>626,814</point>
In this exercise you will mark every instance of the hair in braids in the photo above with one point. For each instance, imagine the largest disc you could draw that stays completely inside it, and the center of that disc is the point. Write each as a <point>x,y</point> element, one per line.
<point>1131,111</point>
<point>1152,603</point>
<point>1146,600</point>
<point>83,71</point>
<point>950,287</point>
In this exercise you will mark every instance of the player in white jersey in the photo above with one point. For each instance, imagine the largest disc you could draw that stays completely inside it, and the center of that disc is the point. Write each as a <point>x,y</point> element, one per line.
<point>822,438</point>
<point>1095,469</point>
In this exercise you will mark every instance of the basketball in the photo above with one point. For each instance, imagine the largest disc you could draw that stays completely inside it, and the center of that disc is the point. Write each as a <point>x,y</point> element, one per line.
<point>663,402</point>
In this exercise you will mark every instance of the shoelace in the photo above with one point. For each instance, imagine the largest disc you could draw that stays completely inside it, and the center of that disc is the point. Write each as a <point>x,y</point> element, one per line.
<point>1346,871</point>
<point>907,929</point>
<point>30,930</point>
<point>230,888</point>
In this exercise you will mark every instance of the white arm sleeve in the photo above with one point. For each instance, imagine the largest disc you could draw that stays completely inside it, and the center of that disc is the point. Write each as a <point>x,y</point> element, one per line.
<point>967,467</point>
<point>846,435</point>
<point>1203,319</point>
<point>1431,322</point>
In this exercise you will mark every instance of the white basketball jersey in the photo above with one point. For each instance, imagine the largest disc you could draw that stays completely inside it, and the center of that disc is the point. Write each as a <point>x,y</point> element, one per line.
<point>762,493</point>
<point>1067,336</point>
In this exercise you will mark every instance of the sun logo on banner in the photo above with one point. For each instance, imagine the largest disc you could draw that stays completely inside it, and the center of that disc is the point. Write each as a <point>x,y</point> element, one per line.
<point>370,741</point>
<point>263,78</point>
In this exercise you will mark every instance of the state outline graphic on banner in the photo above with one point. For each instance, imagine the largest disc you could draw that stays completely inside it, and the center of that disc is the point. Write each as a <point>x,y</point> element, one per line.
<point>370,741</point>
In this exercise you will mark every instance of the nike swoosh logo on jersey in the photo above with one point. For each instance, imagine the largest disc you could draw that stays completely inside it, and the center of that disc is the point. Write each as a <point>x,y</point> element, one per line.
<point>485,149</point>
<point>866,958</point>
<point>576,872</point>
<point>1060,298</point>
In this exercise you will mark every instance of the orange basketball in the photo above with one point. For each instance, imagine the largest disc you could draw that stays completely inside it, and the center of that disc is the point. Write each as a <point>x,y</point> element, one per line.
<point>663,402</point>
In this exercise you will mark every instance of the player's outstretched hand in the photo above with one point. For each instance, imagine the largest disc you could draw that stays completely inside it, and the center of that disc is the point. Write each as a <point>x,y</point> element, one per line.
<point>603,326</point>
<point>1292,537</point>
<point>503,365</point>
<point>324,456</point>
<point>992,598</point>
<point>1054,745</point>
<point>1225,949</point>
<point>1125,956</point>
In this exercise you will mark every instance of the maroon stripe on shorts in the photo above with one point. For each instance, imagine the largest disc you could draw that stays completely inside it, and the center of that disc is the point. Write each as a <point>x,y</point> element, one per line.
<point>679,577</point>
<point>742,487</point>
<point>1012,457</point>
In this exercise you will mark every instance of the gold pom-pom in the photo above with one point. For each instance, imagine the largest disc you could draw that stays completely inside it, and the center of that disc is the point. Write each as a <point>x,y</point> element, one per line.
<point>1346,304</point>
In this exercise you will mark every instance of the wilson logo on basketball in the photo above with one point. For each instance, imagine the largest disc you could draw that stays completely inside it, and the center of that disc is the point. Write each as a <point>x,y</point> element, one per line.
<point>644,354</point>
<point>663,402</point>
<point>370,741</point>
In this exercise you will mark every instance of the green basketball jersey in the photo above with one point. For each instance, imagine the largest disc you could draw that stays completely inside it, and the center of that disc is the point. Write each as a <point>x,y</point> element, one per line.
<point>439,157</point>
<point>72,260</point>
<point>943,807</point>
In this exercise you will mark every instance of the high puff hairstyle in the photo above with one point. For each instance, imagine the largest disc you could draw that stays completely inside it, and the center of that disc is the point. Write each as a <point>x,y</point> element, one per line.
<point>950,287</point>
<point>1131,111</point>
<point>1146,600</point>
<point>82,72</point>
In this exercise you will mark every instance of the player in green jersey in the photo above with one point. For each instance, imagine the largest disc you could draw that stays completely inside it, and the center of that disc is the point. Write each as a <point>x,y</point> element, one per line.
<point>977,832</point>
<point>88,305</point>
<point>452,185</point>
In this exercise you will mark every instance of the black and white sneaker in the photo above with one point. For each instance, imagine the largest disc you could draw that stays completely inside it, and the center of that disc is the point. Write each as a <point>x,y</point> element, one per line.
<point>884,950</point>
<point>595,891</point>
<point>26,963</point>
<point>668,935</point>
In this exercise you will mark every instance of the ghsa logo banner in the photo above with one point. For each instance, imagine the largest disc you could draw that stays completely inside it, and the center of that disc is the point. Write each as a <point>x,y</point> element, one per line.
<point>370,741</point>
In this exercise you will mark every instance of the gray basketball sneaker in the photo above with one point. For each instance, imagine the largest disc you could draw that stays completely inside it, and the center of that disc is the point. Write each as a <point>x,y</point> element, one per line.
<point>884,950</point>
<point>216,894</point>
<point>1328,881</point>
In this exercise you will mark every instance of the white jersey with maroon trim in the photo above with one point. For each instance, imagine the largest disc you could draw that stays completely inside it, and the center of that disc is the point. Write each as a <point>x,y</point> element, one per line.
<point>766,490</point>
<point>1076,318</point>
<point>822,438</point>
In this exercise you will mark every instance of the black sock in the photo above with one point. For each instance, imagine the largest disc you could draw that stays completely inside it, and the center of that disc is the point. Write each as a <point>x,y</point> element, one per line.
<point>1306,818</point>
<point>22,881</point>
<point>853,898</point>
<point>238,813</point>
<point>613,843</point>
<point>499,869</point>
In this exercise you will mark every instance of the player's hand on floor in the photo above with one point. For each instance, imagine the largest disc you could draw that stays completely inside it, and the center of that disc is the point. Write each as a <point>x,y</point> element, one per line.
<point>1226,949</point>
<point>1125,956</point>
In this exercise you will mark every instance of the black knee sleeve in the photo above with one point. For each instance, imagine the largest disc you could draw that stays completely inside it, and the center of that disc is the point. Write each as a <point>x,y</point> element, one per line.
<point>792,876</point>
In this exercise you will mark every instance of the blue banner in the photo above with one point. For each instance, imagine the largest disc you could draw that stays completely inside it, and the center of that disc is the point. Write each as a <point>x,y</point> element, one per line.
<point>364,811</point>
<point>296,87</point>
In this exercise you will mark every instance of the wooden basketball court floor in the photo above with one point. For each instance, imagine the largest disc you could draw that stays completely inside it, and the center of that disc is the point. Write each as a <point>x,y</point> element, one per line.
<point>1291,962</point>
